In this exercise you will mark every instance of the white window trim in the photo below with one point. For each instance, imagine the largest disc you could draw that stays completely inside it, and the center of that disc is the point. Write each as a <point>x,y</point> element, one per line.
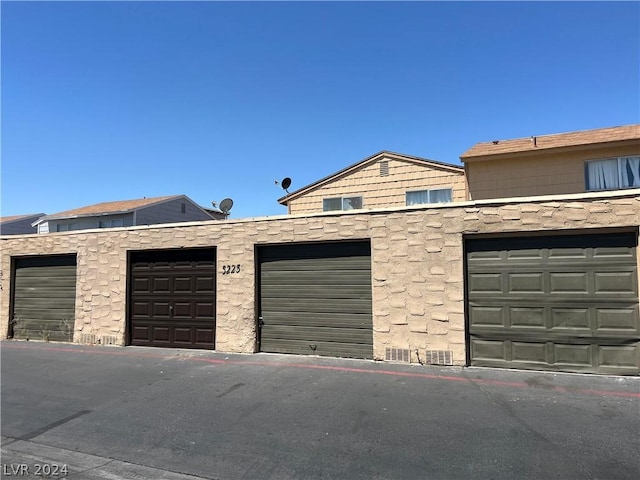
<point>342,199</point>
<point>429,190</point>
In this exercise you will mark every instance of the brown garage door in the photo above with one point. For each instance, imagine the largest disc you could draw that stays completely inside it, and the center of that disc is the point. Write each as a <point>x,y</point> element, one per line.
<point>566,303</point>
<point>44,298</point>
<point>172,299</point>
<point>316,299</point>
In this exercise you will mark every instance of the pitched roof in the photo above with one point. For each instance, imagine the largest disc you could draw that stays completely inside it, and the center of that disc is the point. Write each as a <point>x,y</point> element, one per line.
<point>109,208</point>
<point>559,140</point>
<point>15,218</point>
<point>372,159</point>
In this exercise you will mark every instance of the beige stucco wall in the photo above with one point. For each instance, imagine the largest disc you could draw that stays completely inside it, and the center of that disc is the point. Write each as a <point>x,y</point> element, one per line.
<point>417,263</point>
<point>537,173</point>
<point>382,191</point>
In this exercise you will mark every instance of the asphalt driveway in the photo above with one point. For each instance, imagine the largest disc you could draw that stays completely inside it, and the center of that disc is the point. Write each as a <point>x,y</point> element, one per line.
<point>147,413</point>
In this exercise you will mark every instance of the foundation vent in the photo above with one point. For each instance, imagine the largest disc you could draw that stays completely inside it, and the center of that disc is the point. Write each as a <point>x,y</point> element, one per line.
<point>439,357</point>
<point>109,340</point>
<point>88,338</point>
<point>397,355</point>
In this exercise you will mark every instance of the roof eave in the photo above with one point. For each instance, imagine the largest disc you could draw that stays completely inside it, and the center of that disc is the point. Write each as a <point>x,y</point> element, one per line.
<point>538,150</point>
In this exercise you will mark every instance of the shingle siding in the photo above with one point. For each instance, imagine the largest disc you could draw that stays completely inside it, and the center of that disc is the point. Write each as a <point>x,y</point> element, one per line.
<point>380,191</point>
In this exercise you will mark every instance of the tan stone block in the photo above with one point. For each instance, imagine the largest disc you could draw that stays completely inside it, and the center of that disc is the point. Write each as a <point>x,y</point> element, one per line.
<point>435,287</point>
<point>398,319</point>
<point>437,328</point>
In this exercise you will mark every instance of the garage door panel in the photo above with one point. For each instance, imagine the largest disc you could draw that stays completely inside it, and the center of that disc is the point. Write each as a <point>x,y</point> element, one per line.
<point>573,355</point>
<point>618,283</point>
<point>326,292</point>
<point>618,319</point>
<point>172,301</point>
<point>330,349</point>
<point>527,317</point>
<point>529,283</point>
<point>318,305</point>
<point>316,299</point>
<point>328,277</point>
<point>568,282</point>
<point>577,305</point>
<point>316,334</point>
<point>488,350</point>
<point>609,253</point>
<point>616,357</point>
<point>529,353</point>
<point>337,320</point>
<point>485,283</point>
<point>486,315</point>
<point>577,320</point>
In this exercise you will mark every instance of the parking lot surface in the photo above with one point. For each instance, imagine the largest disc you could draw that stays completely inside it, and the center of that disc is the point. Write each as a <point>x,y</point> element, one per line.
<point>150,413</point>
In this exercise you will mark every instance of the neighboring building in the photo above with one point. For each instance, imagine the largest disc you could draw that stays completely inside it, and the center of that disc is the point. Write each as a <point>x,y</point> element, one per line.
<point>383,180</point>
<point>127,213</point>
<point>19,224</point>
<point>575,162</point>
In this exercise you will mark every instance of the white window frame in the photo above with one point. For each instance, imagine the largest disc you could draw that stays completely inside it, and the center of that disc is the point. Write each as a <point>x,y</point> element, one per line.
<point>428,192</point>
<point>342,203</point>
<point>619,176</point>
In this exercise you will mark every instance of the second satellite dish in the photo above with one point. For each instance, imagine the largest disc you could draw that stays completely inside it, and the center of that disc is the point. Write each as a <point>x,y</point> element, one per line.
<point>225,205</point>
<point>286,183</point>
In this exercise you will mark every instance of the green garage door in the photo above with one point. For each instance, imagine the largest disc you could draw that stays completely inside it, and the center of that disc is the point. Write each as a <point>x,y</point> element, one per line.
<point>316,299</point>
<point>564,303</point>
<point>44,298</point>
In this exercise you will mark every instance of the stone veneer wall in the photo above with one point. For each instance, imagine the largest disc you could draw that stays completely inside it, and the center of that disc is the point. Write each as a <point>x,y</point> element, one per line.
<point>417,262</point>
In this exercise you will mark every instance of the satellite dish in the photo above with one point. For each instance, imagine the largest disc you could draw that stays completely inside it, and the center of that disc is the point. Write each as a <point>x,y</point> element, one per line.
<point>286,183</point>
<point>225,205</point>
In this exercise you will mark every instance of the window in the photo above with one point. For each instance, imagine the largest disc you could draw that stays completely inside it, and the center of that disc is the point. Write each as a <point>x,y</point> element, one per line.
<point>65,227</point>
<point>114,222</point>
<point>612,173</point>
<point>420,197</point>
<point>183,208</point>
<point>341,203</point>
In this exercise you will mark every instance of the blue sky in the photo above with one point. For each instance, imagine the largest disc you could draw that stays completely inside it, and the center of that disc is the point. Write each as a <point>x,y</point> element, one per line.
<point>119,100</point>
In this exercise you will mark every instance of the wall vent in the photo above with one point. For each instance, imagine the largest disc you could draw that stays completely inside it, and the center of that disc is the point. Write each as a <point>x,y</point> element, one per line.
<point>439,357</point>
<point>397,355</point>
<point>88,338</point>
<point>384,168</point>
<point>109,340</point>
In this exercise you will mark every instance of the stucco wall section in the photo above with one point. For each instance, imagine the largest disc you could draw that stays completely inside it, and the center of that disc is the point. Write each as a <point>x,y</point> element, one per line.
<point>417,263</point>
<point>382,191</point>
<point>537,173</point>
